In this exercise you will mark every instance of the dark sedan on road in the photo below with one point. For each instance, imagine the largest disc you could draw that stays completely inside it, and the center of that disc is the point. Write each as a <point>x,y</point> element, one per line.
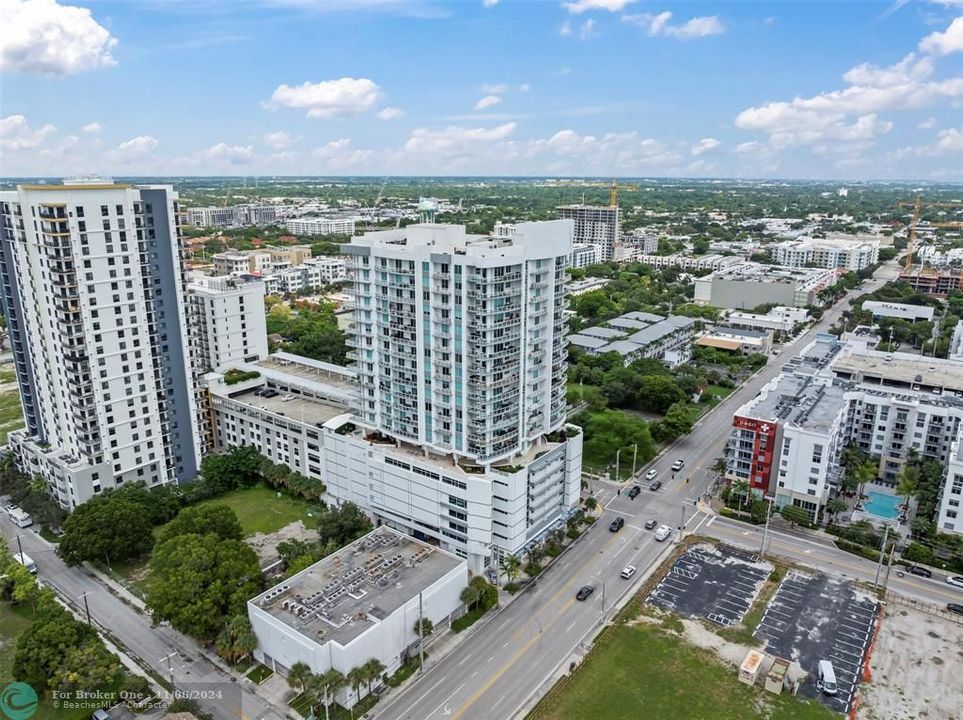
<point>919,570</point>
<point>649,524</point>
<point>584,592</point>
<point>616,524</point>
<point>955,608</point>
<point>634,492</point>
<point>655,485</point>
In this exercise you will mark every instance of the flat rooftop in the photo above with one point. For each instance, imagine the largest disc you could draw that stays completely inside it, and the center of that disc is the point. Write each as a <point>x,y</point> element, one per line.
<point>800,401</point>
<point>308,410</point>
<point>900,368</point>
<point>324,380</point>
<point>756,272</point>
<point>356,588</point>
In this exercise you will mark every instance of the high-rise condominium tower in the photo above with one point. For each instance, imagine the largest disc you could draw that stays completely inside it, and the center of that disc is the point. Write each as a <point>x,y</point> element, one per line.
<point>460,339</point>
<point>92,286</point>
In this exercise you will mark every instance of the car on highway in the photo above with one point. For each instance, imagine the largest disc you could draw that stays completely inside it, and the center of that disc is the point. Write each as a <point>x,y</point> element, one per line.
<point>616,524</point>
<point>584,592</point>
<point>649,524</point>
<point>919,571</point>
<point>955,580</point>
<point>678,465</point>
<point>955,608</point>
<point>651,474</point>
<point>663,533</point>
<point>656,484</point>
<point>634,492</point>
<point>628,571</point>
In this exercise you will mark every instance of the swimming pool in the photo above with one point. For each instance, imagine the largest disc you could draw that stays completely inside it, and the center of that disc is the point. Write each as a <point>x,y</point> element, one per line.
<point>882,505</point>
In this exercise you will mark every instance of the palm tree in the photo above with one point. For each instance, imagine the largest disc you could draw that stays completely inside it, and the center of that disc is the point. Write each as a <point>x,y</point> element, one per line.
<point>741,488</point>
<point>424,627</point>
<point>470,595</point>
<point>591,503</point>
<point>373,669</point>
<point>866,472</point>
<point>326,686</point>
<point>835,506</point>
<point>299,675</point>
<point>356,678</point>
<point>909,481</point>
<point>512,566</point>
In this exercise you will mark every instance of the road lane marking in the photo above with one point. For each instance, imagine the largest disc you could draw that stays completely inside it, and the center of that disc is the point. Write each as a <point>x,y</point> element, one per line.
<point>491,658</point>
<point>574,623</point>
<point>507,643</point>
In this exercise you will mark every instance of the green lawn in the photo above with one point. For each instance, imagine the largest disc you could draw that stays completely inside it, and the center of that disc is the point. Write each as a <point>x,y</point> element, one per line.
<point>260,509</point>
<point>644,671</point>
<point>11,414</point>
<point>7,374</point>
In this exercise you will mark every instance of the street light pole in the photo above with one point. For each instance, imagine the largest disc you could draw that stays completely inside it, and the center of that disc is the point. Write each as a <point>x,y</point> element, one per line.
<point>617,453</point>
<point>170,668</point>
<point>765,532</point>
<point>20,549</point>
<point>879,563</point>
<point>603,599</point>
<point>635,455</point>
<point>421,637</point>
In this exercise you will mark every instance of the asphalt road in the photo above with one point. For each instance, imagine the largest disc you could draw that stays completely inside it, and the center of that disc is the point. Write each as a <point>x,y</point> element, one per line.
<point>193,674</point>
<point>505,666</point>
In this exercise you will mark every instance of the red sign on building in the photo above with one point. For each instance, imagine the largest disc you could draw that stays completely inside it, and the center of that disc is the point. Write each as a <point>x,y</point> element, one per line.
<point>763,449</point>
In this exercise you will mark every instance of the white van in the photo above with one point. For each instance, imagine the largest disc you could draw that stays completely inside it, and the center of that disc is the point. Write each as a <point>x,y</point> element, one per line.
<point>21,518</point>
<point>26,561</point>
<point>826,678</point>
<point>662,532</point>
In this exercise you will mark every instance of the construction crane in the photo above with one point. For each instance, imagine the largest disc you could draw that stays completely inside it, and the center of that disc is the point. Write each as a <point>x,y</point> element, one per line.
<point>917,204</point>
<point>613,187</point>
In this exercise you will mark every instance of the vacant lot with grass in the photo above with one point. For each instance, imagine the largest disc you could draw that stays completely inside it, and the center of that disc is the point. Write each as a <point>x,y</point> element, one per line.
<point>260,509</point>
<point>646,671</point>
<point>11,414</point>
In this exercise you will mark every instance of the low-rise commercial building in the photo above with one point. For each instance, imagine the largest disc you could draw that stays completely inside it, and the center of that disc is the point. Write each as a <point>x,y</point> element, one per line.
<point>264,260</point>
<point>780,319</point>
<point>901,311</point>
<point>736,340</point>
<point>751,284</point>
<point>362,602</point>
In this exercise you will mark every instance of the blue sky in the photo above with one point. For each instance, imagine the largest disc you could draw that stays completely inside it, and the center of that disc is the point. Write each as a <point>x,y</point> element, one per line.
<point>848,89</point>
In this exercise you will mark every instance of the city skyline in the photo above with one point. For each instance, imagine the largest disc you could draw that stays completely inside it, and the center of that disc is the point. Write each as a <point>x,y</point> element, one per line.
<point>386,87</point>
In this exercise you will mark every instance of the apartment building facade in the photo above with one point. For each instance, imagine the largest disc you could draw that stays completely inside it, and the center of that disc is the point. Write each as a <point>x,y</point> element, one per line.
<point>320,226</point>
<point>227,321</point>
<point>842,253</point>
<point>594,225</point>
<point>92,283</point>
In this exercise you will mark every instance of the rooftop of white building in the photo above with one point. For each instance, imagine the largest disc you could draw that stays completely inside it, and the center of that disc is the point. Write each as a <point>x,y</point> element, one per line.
<point>799,401</point>
<point>899,369</point>
<point>354,589</point>
<point>757,272</point>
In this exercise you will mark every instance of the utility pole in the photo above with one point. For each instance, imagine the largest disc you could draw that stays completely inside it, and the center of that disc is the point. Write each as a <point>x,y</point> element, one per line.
<point>603,599</point>
<point>20,549</point>
<point>86,606</point>
<point>682,522</point>
<point>170,668</point>
<point>889,566</point>
<point>617,453</point>
<point>765,532</point>
<point>635,455</point>
<point>421,636</point>
<point>879,564</point>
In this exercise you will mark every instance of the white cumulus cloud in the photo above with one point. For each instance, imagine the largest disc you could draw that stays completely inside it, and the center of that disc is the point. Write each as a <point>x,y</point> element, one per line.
<point>344,97</point>
<point>852,111</point>
<point>279,140</point>
<point>705,145</point>
<point>489,3</point>
<point>92,128</point>
<point>951,140</point>
<point>391,113</point>
<point>580,6</point>
<point>946,42</point>
<point>340,156</point>
<point>45,37</point>
<point>230,154</point>
<point>454,138</point>
<point>660,24</point>
<point>136,148</point>
<point>16,134</point>
<point>487,102</point>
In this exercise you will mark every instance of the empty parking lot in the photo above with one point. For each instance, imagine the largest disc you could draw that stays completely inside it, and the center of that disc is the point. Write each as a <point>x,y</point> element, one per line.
<point>717,583</point>
<point>816,617</point>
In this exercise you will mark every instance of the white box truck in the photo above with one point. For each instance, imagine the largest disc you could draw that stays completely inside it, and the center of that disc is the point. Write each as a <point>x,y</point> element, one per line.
<point>21,518</point>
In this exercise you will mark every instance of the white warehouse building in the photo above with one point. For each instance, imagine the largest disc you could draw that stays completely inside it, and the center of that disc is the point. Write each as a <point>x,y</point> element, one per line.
<point>361,603</point>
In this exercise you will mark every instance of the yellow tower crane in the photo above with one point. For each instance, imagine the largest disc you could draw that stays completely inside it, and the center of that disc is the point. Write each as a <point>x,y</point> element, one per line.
<point>917,204</point>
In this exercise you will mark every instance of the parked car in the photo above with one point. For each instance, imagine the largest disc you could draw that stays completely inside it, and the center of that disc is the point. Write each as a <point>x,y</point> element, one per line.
<point>656,484</point>
<point>678,465</point>
<point>584,592</point>
<point>9,507</point>
<point>663,533</point>
<point>955,580</point>
<point>634,492</point>
<point>628,571</point>
<point>651,474</point>
<point>616,524</point>
<point>919,570</point>
<point>955,608</point>
<point>649,524</point>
